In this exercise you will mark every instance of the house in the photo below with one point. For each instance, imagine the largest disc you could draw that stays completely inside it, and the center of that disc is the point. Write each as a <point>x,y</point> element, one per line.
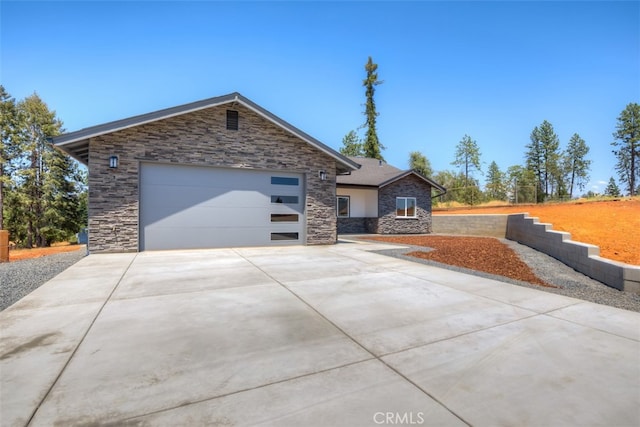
<point>379,198</point>
<point>220,172</point>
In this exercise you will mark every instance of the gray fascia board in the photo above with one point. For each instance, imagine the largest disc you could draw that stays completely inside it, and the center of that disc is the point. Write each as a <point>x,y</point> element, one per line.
<point>409,172</point>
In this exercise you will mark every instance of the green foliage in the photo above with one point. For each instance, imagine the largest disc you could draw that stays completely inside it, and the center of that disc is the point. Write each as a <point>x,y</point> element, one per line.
<point>459,188</point>
<point>43,202</point>
<point>612,188</point>
<point>420,163</point>
<point>522,184</point>
<point>576,166</point>
<point>496,185</point>
<point>372,146</point>
<point>352,145</point>
<point>8,144</point>
<point>543,159</point>
<point>467,157</point>
<point>627,147</point>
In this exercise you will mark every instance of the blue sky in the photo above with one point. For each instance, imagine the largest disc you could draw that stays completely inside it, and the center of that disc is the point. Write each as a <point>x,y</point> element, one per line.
<point>492,70</point>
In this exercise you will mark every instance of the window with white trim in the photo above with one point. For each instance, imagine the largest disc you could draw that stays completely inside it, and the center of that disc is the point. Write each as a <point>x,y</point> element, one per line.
<point>342,206</point>
<point>406,207</point>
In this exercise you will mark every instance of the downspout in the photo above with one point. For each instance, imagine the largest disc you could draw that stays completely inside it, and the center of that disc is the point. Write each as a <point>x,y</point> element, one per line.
<point>444,191</point>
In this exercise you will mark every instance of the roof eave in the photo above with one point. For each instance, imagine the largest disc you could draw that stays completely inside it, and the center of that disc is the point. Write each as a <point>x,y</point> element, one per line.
<point>78,142</point>
<point>413,172</point>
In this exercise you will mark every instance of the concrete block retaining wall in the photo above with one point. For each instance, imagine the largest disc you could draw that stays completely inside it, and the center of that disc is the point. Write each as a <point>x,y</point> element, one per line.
<point>471,225</point>
<point>521,228</point>
<point>582,257</point>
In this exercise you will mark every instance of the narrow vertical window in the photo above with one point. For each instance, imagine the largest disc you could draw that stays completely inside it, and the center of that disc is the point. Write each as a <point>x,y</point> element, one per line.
<point>232,120</point>
<point>343,206</point>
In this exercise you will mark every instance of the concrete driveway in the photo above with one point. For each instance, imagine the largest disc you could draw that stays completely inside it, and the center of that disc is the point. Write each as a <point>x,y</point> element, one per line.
<point>319,336</point>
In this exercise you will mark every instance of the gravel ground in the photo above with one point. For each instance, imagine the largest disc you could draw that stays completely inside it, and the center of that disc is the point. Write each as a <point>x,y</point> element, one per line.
<point>570,282</point>
<point>20,278</point>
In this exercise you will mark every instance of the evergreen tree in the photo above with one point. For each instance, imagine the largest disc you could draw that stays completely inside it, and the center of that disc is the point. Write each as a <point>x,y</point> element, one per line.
<point>627,143</point>
<point>522,184</point>
<point>372,146</point>
<point>543,159</point>
<point>8,144</point>
<point>467,157</point>
<point>449,180</point>
<point>495,187</point>
<point>576,164</point>
<point>612,188</point>
<point>420,163</point>
<point>352,145</point>
<point>44,203</point>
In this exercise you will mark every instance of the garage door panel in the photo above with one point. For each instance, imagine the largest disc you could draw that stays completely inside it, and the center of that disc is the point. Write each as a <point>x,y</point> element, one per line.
<point>185,207</point>
<point>214,217</point>
<point>199,237</point>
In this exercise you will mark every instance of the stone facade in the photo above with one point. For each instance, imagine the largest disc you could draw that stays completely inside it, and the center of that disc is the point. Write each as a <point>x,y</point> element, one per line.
<point>410,186</point>
<point>357,225</point>
<point>199,138</point>
<point>386,222</point>
<point>352,225</point>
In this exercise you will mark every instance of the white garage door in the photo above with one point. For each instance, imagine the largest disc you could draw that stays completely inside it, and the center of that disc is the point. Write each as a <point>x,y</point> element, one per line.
<point>191,207</point>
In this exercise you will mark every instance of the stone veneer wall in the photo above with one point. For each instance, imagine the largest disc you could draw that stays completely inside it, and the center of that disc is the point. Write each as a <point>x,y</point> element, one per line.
<point>199,138</point>
<point>410,186</point>
<point>352,225</point>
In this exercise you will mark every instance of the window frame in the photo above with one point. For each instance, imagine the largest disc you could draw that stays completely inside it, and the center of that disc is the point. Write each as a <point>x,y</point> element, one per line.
<point>348,198</point>
<point>415,208</point>
<point>293,181</point>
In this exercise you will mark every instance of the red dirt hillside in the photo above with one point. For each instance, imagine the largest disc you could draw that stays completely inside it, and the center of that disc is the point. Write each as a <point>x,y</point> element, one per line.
<point>20,254</point>
<point>614,226</point>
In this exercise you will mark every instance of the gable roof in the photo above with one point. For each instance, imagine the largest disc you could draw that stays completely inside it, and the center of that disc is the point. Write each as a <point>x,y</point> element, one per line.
<point>376,173</point>
<point>77,143</point>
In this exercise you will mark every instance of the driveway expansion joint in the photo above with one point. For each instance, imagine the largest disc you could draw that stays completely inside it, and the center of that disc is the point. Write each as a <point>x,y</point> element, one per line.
<point>75,350</point>
<point>373,356</point>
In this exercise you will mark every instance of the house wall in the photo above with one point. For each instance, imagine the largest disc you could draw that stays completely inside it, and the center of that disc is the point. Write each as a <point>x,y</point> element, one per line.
<point>363,210</point>
<point>363,203</point>
<point>199,138</point>
<point>411,186</point>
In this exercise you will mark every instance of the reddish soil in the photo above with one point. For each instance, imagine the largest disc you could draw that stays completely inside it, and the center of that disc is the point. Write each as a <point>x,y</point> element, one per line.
<point>20,254</point>
<point>614,226</point>
<point>477,253</point>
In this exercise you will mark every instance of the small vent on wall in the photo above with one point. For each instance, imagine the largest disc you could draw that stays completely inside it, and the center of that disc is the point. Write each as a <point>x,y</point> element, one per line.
<point>232,120</point>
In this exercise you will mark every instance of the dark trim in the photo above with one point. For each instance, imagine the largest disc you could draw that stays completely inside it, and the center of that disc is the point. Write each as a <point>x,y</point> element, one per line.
<point>77,143</point>
<point>416,173</point>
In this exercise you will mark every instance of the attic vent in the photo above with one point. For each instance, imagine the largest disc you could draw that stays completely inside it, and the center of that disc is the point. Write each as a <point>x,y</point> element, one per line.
<point>232,120</point>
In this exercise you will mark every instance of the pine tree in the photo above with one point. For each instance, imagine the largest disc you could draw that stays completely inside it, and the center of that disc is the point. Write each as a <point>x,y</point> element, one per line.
<point>8,144</point>
<point>372,146</point>
<point>420,163</point>
<point>612,188</point>
<point>495,188</point>
<point>467,157</point>
<point>352,145</point>
<point>627,145</point>
<point>44,206</point>
<point>543,159</point>
<point>522,184</point>
<point>577,166</point>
